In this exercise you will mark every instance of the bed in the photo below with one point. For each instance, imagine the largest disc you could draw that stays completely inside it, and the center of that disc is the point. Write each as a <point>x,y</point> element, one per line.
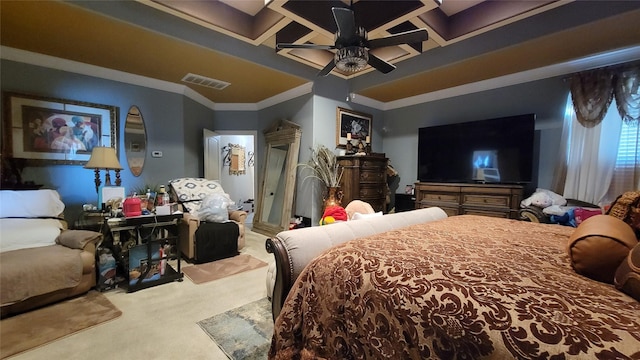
<point>464,287</point>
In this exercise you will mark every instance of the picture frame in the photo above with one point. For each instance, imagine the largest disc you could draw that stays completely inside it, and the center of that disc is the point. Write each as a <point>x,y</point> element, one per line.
<point>47,130</point>
<point>358,124</point>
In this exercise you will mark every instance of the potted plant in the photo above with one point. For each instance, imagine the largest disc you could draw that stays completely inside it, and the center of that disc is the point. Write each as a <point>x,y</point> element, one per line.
<point>323,165</point>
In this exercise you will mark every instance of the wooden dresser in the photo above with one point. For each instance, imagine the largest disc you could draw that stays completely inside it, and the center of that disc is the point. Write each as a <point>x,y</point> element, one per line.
<point>477,199</point>
<point>364,178</point>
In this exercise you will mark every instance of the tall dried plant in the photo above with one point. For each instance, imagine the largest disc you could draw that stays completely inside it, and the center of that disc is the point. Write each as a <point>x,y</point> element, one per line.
<point>324,166</point>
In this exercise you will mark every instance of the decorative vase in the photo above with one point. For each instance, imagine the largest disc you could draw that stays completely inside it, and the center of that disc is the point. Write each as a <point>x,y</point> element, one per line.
<point>333,198</point>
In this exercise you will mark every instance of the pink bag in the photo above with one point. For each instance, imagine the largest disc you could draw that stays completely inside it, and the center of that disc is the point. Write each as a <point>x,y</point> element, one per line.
<point>582,214</point>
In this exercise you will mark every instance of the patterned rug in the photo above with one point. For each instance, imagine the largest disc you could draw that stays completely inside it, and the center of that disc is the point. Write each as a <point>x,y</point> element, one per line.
<point>215,270</point>
<point>244,332</point>
<point>42,326</point>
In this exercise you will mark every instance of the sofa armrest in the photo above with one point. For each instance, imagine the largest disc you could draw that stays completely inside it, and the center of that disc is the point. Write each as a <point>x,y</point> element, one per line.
<point>238,215</point>
<point>79,239</point>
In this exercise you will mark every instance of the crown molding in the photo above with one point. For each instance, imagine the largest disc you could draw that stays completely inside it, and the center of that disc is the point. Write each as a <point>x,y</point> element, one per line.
<point>581,64</point>
<point>52,62</point>
<point>590,62</point>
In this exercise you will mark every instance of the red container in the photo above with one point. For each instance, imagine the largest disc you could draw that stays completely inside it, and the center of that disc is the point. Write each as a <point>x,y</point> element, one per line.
<point>131,207</point>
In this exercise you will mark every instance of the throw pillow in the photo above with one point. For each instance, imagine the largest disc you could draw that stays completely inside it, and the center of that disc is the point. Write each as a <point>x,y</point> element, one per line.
<point>627,208</point>
<point>78,239</point>
<point>627,277</point>
<point>358,206</point>
<point>598,246</point>
<point>358,216</point>
<point>190,191</point>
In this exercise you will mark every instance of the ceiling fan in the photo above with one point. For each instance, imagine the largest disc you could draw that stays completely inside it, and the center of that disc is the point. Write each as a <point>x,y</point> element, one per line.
<point>353,47</point>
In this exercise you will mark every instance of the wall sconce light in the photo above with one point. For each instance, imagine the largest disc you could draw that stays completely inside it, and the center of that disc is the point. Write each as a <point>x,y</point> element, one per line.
<point>104,158</point>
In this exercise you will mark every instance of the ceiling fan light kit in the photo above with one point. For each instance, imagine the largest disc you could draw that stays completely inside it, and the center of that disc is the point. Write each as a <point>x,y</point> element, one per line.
<point>352,45</point>
<point>351,59</point>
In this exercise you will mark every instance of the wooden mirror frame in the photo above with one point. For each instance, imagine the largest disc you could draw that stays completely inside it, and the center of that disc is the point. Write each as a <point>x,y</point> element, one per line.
<point>282,133</point>
<point>135,140</point>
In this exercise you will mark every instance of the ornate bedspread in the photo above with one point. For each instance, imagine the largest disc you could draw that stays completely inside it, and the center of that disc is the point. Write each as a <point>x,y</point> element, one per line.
<point>466,287</point>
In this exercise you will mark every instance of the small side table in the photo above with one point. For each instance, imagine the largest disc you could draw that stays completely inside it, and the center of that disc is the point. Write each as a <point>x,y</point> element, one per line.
<point>143,247</point>
<point>92,220</point>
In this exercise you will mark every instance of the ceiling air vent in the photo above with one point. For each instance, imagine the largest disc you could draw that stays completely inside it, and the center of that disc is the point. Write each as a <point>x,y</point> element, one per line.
<point>205,81</point>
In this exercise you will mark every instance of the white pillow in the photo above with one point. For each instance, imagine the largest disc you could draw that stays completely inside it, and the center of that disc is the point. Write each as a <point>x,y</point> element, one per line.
<point>358,216</point>
<point>28,233</point>
<point>30,203</point>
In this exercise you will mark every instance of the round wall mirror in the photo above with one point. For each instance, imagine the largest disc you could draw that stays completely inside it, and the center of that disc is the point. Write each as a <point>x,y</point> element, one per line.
<point>135,140</point>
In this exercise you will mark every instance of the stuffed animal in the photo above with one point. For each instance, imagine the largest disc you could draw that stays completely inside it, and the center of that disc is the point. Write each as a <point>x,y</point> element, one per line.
<point>539,198</point>
<point>543,198</point>
<point>333,214</point>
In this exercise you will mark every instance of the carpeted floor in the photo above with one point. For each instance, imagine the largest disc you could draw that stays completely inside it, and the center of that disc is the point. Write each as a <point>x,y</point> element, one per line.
<point>215,270</point>
<point>244,332</point>
<point>18,333</point>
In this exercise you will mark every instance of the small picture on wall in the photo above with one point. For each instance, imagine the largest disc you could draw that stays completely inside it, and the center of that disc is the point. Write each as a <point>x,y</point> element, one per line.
<point>352,125</point>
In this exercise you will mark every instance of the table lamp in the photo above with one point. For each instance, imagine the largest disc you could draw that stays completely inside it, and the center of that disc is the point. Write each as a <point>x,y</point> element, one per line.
<point>104,158</point>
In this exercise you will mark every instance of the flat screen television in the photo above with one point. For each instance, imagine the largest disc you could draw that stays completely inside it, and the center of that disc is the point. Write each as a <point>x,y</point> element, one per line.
<point>497,150</point>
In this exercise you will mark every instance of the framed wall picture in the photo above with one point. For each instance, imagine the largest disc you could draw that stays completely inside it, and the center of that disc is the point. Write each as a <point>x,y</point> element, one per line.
<point>354,126</point>
<point>56,131</point>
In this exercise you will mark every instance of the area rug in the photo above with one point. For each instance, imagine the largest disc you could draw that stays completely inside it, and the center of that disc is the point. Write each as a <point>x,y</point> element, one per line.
<point>41,326</point>
<point>244,332</point>
<point>215,270</point>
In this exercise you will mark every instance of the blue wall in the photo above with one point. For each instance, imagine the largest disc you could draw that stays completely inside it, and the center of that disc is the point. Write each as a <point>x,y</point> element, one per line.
<point>174,125</point>
<point>546,98</point>
<point>163,113</point>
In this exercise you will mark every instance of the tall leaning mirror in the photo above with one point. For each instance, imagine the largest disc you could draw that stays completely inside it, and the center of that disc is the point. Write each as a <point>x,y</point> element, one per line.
<point>135,140</point>
<point>276,193</point>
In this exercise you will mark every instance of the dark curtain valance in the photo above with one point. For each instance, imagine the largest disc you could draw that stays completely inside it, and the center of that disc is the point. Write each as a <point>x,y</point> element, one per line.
<point>592,92</point>
<point>627,93</point>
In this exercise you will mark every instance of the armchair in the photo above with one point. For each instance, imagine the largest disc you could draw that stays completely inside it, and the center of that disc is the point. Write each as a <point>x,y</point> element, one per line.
<point>189,192</point>
<point>534,213</point>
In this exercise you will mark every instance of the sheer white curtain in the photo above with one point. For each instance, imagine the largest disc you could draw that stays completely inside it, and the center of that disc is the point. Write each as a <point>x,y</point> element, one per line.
<point>590,156</point>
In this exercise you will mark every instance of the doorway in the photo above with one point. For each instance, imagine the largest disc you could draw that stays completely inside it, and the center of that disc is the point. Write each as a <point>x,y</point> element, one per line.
<point>240,187</point>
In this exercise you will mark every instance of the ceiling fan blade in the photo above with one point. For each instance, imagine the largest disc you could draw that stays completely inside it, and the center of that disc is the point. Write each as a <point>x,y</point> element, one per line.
<point>407,37</point>
<point>304,46</point>
<point>381,65</point>
<point>345,21</point>
<point>327,69</point>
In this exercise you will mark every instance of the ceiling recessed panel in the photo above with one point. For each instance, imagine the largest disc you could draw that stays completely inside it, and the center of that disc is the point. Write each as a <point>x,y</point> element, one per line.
<point>166,47</point>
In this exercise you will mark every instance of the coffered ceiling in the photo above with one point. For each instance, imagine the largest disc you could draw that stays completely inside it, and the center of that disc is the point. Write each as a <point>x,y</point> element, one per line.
<point>233,41</point>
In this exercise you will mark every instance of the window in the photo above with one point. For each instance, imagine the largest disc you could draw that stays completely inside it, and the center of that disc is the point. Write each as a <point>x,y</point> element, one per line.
<point>601,162</point>
<point>625,173</point>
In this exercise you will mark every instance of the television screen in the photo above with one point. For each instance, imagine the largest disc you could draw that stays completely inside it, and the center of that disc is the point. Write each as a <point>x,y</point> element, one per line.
<point>495,150</point>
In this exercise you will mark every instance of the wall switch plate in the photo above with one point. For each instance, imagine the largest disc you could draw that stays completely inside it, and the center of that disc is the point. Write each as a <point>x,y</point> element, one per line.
<point>156,153</point>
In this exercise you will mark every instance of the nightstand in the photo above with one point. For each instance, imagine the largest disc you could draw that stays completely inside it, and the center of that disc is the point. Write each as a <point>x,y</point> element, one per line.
<point>405,202</point>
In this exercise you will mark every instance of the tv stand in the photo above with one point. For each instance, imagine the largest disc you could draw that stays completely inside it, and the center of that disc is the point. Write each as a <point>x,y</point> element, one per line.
<point>497,200</point>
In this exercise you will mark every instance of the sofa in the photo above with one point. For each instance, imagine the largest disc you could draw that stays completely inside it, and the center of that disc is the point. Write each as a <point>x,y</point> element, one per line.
<point>189,193</point>
<point>294,249</point>
<point>41,261</point>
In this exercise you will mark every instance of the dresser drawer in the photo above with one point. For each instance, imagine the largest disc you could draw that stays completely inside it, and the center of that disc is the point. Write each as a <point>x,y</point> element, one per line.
<point>373,176</point>
<point>486,200</point>
<point>372,191</point>
<point>376,164</point>
<point>377,204</point>
<point>441,198</point>
<point>481,212</point>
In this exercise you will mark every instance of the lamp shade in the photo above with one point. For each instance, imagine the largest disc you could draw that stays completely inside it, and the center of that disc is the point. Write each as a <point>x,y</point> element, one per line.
<point>103,158</point>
